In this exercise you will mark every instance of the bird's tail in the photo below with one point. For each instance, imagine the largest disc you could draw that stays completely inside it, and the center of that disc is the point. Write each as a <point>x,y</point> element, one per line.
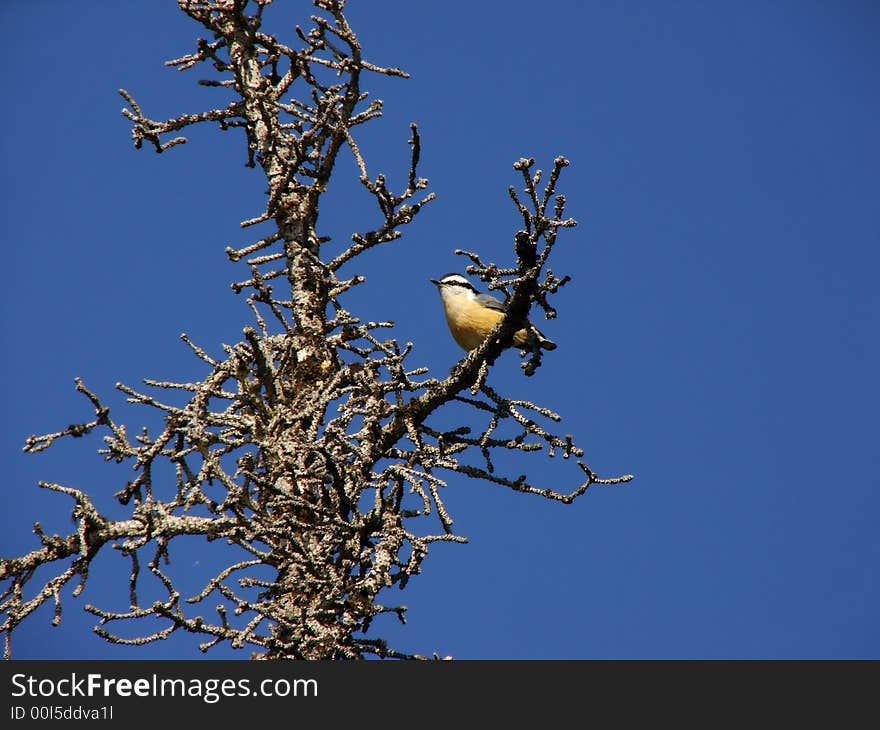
<point>521,338</point>
<point>544,342</point>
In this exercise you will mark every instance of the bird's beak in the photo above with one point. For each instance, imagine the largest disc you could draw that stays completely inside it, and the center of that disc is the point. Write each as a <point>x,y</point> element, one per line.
<point>434,281</point>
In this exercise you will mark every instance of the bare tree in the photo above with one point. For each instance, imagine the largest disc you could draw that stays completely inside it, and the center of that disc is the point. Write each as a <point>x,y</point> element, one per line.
<point>307,449</point>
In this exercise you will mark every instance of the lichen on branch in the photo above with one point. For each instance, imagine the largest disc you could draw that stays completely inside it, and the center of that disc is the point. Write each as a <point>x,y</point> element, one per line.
<point>307,452</point>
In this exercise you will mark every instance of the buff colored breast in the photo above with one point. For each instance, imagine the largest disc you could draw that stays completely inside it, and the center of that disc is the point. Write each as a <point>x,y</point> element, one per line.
<point>469,322</point>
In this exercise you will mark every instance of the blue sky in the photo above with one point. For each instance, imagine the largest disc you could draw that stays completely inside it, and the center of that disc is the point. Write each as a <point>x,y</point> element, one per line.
<point>719,338</point>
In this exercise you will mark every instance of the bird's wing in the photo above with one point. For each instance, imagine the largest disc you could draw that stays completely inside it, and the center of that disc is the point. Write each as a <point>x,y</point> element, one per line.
<point>487,300</point>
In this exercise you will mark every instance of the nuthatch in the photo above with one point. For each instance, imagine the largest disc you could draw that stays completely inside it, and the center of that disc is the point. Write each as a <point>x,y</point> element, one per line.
<point>472,316</point>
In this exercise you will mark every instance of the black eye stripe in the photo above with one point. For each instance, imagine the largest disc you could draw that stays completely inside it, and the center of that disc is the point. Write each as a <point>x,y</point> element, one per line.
<point>456,282</point>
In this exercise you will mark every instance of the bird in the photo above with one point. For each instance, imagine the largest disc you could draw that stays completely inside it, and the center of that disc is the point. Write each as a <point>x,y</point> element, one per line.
<point>471,316</point>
